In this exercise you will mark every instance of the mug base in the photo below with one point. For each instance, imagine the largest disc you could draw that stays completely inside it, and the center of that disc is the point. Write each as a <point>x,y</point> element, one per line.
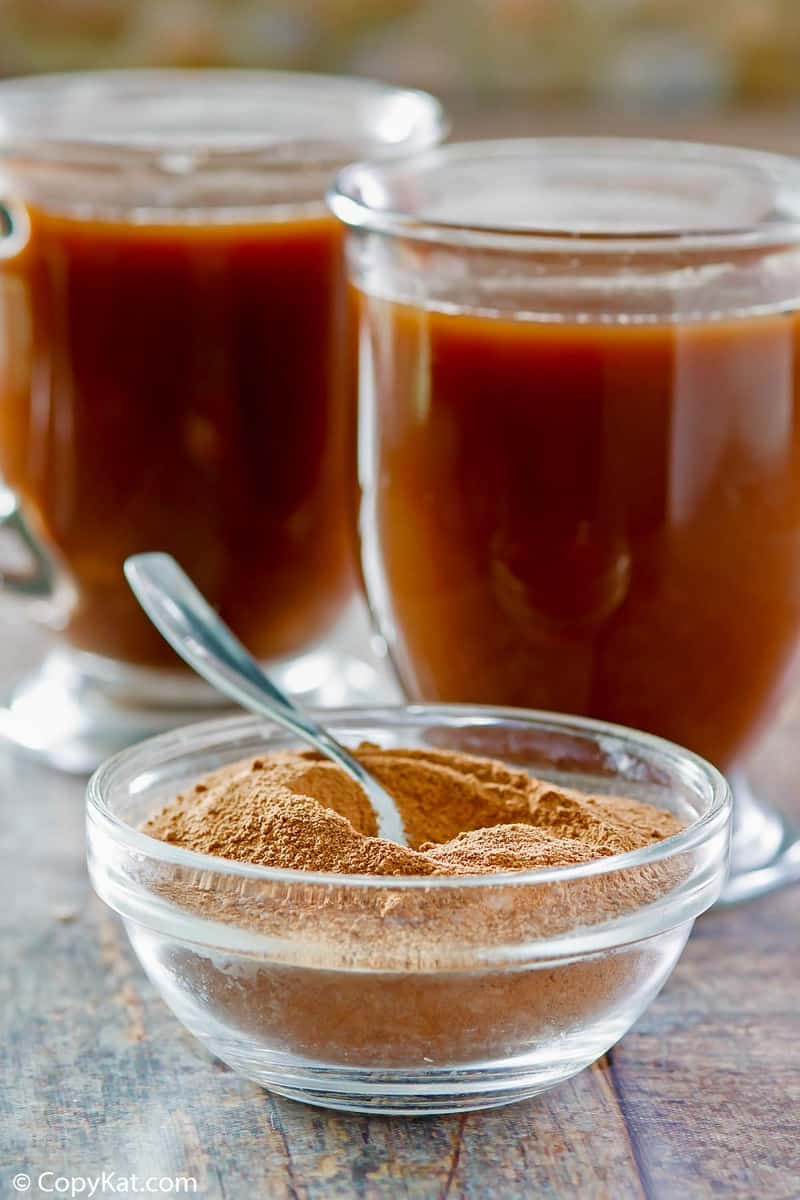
<point>765,849</point>
<point>75,711</point>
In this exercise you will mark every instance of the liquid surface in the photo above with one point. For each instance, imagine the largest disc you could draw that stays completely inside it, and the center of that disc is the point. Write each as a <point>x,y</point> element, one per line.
<point>183,388</point>
<point>595,519</point>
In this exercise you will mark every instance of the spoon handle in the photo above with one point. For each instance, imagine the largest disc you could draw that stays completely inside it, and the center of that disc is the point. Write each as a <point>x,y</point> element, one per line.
<point>187,621</point>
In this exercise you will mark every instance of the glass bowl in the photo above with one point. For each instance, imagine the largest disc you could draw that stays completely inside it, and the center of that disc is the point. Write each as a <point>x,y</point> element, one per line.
<point>412,995</point>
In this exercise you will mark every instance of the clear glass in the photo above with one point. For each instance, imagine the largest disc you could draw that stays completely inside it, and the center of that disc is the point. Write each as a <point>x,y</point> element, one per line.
<point>412,995</point>
<point>580,436</point>
<point>176,373</point>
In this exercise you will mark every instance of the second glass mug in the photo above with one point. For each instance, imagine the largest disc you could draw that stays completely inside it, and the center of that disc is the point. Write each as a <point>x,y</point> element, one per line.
<point>176,372</point>
<point>580,437</point>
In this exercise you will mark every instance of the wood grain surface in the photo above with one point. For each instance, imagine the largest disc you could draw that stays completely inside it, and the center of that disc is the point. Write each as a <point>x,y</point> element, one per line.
<point>701,1099</point>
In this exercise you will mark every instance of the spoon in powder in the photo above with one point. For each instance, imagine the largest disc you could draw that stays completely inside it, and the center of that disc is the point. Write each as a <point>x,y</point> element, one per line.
<point>188,622</point>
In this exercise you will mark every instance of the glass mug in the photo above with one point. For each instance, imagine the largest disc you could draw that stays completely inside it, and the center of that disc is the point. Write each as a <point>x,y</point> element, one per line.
<point>176,373</point>
<point>580,436</point>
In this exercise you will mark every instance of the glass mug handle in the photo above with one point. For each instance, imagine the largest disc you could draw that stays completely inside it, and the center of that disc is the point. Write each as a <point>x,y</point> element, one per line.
<point>38,579</point>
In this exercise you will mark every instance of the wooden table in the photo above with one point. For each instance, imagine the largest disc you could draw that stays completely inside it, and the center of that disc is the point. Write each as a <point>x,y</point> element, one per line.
<point>701,1099</point>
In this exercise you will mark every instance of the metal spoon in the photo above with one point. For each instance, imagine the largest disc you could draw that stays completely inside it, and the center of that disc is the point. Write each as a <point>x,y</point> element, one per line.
<point>190,625</point>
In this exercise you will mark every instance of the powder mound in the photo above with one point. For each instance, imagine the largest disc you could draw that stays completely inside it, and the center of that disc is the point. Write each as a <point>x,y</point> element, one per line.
<point>441,794</point>
<point>295,832</point>
<point>506,848</point>
<point>462,815</point>
<point>568,816</point>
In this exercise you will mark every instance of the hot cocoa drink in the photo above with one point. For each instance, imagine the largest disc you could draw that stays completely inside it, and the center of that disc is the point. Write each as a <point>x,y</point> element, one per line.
<point>185,387</point>
<point>596,518</point>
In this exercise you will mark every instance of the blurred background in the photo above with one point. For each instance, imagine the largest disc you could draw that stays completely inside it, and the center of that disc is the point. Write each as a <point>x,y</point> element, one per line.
<point>663,50</point>
<point>732,65</point>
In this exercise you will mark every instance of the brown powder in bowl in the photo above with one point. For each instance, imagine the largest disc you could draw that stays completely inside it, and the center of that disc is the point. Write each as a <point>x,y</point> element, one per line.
<point>461,814</point>
<point>388,976</point>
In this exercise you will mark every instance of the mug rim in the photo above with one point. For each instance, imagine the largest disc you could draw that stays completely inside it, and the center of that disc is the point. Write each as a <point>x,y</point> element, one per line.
<point>347,203</point>
<point>419,122</point>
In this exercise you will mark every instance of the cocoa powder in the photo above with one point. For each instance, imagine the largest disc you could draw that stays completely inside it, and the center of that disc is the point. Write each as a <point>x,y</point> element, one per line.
<point>462,815</point>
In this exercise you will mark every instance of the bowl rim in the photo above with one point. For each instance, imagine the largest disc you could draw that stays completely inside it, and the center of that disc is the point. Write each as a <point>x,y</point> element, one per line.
<point>189,739</point>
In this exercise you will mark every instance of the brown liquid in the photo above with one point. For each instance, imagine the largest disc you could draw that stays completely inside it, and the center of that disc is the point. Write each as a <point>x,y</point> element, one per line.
<point>183,388</point>
<point>595,519</point>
